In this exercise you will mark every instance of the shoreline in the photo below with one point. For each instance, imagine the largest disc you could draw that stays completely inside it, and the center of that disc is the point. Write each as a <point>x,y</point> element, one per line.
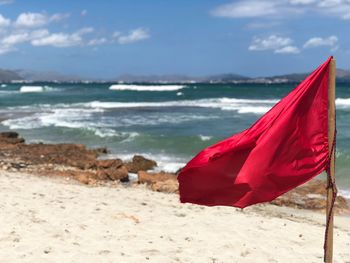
<point>77,162</point>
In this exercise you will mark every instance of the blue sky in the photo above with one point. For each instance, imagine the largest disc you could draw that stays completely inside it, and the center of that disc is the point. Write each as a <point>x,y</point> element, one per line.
<point>104,39</point>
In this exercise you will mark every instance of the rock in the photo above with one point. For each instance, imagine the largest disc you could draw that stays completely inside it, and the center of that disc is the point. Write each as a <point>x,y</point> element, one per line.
<point>167,186</point>
<point>75,155</point>
<point>10,138</point>
<point>109,163</point>
<point>99,151</point>
<point>9,134</point>
<point>112,170</point>
<point>120,173</point>
<point>311,195</point>
<point>140,163</point>
<point>161,182</point>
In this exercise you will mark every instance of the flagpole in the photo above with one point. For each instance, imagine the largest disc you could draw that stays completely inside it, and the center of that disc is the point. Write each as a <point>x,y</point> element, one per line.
<point>331,190</point>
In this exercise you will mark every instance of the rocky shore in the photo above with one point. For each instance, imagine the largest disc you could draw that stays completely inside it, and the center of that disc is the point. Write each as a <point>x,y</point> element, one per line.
<point>75,161</point>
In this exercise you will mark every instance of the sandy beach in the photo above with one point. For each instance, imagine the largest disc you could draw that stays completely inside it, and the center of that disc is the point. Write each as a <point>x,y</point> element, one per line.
<point>45,219</point>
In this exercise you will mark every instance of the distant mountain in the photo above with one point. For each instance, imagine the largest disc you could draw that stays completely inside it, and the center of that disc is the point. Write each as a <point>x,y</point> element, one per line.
<point>46,76</point>
<point>155,78</point>
<point>181,78</point>
<point>9,75</point>
<point>341,74</point>
<point>50,76</point>
<point>227,77</point>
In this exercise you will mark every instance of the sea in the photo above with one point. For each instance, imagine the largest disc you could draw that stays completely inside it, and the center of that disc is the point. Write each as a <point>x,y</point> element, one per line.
<point>167,123</point>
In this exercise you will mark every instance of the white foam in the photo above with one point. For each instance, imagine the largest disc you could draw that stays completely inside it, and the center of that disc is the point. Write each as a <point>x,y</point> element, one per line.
<point>80,115</point>
<point>146,87</point>
<point>8,92</point>
<point>165,163</point>
<point>179,94</point>
<point>240,105</point>
<point>70,118</point>
<point>205,138</point>
<point>27,89</point>
<point>343,102</point>
<point>3,85</point>
<point>345,193</point>
<point>252,109</point>
<point>24,89</point>
<point>133,177</point>
<point>232,104</point>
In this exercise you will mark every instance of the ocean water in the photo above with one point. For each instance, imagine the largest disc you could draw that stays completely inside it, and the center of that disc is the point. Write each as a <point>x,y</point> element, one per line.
<point>168,123</point>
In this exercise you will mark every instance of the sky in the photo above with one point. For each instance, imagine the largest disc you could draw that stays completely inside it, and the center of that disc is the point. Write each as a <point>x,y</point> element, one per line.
<point>104,39</point>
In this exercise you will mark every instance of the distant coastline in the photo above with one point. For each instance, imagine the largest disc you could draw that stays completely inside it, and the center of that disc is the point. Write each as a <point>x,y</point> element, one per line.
<point>21,76</point>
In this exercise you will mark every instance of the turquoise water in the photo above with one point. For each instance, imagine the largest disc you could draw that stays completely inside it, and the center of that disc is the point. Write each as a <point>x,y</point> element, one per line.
<point>167,123</point>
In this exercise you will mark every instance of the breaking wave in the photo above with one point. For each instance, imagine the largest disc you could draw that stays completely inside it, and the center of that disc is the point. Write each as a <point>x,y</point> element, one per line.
<point>205,138</point>
<point>90,118</point>
<point>239,105</point>
<point>166,163</point>
<point>31,89</point>
<point>146,87</point>
<point>343,102</point>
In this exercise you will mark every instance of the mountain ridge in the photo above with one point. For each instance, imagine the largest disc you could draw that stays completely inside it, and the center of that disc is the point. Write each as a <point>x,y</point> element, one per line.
<point>51,76</point>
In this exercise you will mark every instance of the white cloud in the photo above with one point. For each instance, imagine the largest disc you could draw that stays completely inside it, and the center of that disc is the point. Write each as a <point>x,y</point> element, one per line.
<point>85,30</point>
<point>248,8</point>
<point>338,8</point>
<point>4,21</point>
<point>31,20</point>
<point>58,17</point>
<point>28,20</point>
<point>21,37</point>
<point>288,50</point>
<point>6,2</point>
<point>14,39</point>
<point>272,42</point>
<point>62,39</point>
<point>135,35</point>
<point>6,49</point>
<point>28,28</point>
<point>116,34</point>
<point>330,3</point>
<point>39,33</point>
<point>283,8</point>
<point>302,2</point>
<point>83,12</point>
<point>331,41</point>
<point>277,44</point>
<point>97,41</point>
<point>58,40</point>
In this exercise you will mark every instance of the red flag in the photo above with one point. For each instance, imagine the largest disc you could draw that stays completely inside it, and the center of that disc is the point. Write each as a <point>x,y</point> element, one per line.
<point>285,148</point>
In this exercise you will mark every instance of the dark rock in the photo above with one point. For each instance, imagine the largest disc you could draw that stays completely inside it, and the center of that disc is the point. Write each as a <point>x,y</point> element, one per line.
<point>114,174</point>
<point>102,150</point>
<point>10,138</point>
<point>9,134</point>
<point>140,163</point>
<point>109,163</point>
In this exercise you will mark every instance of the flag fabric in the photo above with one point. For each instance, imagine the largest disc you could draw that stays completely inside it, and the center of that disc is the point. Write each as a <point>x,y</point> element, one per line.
<point>285,148</point>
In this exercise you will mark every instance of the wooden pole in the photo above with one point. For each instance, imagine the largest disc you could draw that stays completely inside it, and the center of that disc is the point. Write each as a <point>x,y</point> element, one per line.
<point>331,177</point>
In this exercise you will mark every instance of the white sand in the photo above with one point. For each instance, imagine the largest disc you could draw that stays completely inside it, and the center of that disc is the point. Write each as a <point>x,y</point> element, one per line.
<point>52,220</point>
